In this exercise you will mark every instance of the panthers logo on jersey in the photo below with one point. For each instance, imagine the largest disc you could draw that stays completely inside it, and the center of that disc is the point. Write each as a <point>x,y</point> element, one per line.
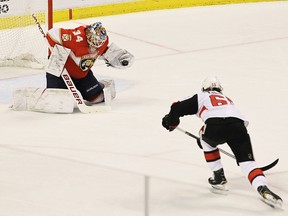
<point>87,61</point>
<point>66,37</point>
<point>85,64</point>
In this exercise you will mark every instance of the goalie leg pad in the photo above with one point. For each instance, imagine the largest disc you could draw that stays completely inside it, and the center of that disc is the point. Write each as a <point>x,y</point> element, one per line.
<point>109,91</point>
<point>42,100</point>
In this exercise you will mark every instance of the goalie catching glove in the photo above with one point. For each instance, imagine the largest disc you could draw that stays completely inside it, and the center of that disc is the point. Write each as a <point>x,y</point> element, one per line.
<point>118,58</point>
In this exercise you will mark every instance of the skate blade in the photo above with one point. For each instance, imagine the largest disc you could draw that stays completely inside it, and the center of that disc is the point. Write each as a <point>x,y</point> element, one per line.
<point>276,204</point>
<point>219,189</point>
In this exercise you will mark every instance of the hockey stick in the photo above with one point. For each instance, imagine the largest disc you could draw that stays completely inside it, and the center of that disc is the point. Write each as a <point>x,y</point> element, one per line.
<point>265,168</point>
<point>70,84</point>
<point>198,139</point>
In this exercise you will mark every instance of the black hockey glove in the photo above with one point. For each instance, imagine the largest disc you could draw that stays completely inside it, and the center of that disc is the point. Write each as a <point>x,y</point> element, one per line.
<point>170,123</point>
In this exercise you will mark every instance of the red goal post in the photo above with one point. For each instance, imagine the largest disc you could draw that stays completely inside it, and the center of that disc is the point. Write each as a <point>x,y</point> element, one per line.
<point>21,43</point>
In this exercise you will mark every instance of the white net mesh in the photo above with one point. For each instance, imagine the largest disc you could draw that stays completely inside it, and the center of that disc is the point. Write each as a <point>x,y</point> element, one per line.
<point>22,44</point>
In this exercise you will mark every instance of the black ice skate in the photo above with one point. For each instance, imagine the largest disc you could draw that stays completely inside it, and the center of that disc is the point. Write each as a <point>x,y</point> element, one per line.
<point>269,197</point>
<point>218,181</point>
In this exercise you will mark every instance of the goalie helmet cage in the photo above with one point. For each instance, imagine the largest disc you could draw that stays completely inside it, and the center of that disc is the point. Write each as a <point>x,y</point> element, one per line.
<point>21,43</point>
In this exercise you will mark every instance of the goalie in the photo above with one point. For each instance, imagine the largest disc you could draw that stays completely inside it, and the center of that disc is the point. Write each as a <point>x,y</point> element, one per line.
<point>87,43</point>
<point>75,51</point>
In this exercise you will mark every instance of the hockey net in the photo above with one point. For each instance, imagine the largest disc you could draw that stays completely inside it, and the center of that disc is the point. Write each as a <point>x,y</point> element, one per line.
<point>21,43</point>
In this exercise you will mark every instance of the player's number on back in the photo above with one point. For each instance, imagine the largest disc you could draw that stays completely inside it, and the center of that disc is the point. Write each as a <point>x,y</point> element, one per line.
<point>77,33</point>
<point>219,100</point>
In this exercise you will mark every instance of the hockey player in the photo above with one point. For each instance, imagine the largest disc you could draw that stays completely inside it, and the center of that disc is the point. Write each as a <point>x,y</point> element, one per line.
<point>73,53</point>
<point>87,43</point>
<point>223,124</point>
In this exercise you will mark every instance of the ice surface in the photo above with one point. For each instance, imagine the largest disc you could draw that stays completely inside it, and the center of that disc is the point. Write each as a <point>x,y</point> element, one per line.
<point>95,164</point>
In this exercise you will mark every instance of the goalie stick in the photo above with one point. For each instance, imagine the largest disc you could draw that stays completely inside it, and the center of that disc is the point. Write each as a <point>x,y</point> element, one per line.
<point>264,168</point>
<point>71,86</point>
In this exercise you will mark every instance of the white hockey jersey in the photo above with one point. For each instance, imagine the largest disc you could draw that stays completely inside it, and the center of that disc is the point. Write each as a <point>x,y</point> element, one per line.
<point>214,104</point>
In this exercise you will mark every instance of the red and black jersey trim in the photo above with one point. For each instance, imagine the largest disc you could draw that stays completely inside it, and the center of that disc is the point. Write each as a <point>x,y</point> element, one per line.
<point>212,155</point>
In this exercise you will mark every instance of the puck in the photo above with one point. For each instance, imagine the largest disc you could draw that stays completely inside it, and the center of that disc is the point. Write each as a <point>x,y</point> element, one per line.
<point>124,62</point>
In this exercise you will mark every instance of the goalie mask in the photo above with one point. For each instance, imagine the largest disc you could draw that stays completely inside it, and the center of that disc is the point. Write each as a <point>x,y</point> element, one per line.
<point>96,35</point>
<point>211,83</point>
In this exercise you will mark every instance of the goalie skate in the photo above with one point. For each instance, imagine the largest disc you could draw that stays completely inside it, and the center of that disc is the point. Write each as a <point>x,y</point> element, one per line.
<point>269,197</point>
